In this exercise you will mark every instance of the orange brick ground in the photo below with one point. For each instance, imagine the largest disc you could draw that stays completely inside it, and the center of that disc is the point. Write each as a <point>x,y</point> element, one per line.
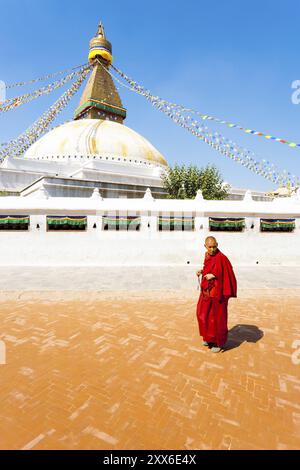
<point>117,371</point>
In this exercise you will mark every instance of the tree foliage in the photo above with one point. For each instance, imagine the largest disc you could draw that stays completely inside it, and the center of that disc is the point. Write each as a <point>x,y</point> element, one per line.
<point>183,182</point>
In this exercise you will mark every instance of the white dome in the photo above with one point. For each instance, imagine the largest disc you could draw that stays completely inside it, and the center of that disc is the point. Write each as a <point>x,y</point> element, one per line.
<point>93,138</point>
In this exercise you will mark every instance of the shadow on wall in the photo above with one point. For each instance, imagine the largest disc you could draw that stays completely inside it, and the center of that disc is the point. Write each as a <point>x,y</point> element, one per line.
<point>241,333</point>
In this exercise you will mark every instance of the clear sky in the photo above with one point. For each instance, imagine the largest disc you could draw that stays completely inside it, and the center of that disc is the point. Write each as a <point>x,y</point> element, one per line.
<point>232,59</point>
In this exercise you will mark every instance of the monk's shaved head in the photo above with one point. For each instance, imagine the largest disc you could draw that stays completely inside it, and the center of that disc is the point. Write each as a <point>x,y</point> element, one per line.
<point>210,239</point>
<point>211,245</point>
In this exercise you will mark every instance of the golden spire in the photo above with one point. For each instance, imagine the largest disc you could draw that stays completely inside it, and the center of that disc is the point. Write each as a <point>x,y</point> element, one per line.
<point>100,47</point>
<point>100,99</point>
<point>100,30</point>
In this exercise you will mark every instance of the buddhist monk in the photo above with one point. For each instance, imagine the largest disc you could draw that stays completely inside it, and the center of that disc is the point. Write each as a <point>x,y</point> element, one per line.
<point>218,284</point>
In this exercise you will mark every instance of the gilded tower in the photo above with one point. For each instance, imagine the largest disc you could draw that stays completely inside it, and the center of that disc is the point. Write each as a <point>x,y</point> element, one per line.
<point>100,98</point>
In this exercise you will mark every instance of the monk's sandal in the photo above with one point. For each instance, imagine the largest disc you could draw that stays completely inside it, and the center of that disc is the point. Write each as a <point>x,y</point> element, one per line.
<point>216,349</point>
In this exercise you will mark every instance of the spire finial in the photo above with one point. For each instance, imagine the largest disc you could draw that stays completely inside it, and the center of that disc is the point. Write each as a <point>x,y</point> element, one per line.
<point>101,31</point>
<point>100,47</point>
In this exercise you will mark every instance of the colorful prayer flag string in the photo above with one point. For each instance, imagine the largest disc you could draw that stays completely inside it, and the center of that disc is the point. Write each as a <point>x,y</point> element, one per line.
<point>46,129</point>
<point>248,131</point>
<point>217,141</point>
<point>207,117</point>
<point>46,77</point>
<point>18,146</point>
<point>26,98</point>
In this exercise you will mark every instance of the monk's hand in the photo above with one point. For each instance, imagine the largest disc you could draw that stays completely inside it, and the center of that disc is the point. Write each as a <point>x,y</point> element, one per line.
<point>209,276</point>
<point>198,273</point>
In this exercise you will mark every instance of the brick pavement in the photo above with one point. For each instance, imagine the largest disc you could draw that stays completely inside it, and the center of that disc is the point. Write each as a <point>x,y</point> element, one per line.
<point>127,371</point>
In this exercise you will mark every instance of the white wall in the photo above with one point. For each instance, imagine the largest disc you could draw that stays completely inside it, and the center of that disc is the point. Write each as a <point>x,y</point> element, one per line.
<point>95,247</point>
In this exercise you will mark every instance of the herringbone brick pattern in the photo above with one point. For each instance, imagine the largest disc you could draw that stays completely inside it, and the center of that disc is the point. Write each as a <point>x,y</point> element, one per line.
<point>129,372</point>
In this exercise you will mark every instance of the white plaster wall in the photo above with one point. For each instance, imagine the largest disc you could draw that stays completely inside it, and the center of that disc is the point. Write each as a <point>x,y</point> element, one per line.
<point>96,247</point>
<point>99,248</point>
<point>16,180</point>
<point>16,173</point>
<point>70,166</point>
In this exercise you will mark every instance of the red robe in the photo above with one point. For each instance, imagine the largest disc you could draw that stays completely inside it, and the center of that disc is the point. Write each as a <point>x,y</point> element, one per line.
<point>213,300</point>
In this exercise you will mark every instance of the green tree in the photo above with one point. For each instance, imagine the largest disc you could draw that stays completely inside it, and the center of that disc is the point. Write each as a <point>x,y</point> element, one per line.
<point>183,182</point>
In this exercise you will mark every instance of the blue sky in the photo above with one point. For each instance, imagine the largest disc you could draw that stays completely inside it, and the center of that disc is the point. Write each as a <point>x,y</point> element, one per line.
<point>231,59</point>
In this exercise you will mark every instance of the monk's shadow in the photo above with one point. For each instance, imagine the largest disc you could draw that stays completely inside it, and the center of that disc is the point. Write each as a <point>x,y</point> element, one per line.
<point>241,333</point>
